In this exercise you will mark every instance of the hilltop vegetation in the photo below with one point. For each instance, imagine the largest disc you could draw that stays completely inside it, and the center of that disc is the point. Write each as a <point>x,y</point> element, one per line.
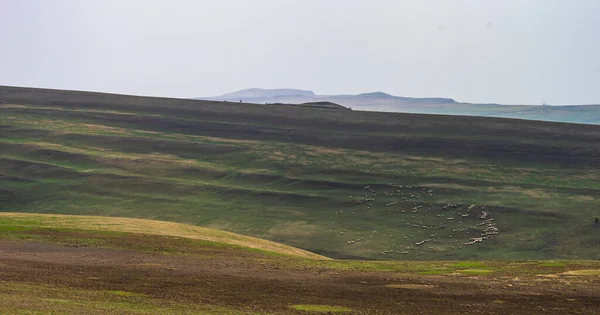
<point>299,175</point>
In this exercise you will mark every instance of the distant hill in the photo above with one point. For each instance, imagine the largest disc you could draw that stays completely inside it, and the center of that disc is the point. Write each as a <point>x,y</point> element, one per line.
<point>263,93</point>
<point>339,183</point>
<point>327,105</point>
<point>377,101</point>
<point>383,102</point>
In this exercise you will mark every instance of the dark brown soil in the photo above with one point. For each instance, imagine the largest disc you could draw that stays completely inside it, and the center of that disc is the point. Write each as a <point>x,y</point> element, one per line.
<point>266,285</point>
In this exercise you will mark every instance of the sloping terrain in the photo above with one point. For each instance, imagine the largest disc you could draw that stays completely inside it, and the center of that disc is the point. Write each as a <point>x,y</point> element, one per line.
<point>344,184</point>
<point>147,227</point>
<point>56,264</point>
<point>378,101</point>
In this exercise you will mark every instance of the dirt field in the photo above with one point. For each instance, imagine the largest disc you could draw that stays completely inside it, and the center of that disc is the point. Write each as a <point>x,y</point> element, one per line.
<point>248,282</point>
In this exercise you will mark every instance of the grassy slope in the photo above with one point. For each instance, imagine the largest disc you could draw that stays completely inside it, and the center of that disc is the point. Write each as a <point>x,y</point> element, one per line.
<point>95,292</point>
<point>286,174</point>
<point>146,236</point>
<point>20,222</point>
<point>167,238</point>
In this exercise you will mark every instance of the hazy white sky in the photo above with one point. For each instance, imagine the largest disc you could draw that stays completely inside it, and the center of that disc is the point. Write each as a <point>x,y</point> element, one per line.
<point>505,51</point>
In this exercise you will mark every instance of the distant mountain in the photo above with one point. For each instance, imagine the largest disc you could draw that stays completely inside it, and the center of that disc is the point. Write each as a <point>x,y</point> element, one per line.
<point>366,101</point>
<point>264,94</point>
<point>383,102</point>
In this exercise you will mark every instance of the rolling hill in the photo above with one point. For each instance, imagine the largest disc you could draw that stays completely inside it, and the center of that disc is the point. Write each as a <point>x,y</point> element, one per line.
<point>339,183</point>
<point>379,101</point>
<point>61,264</point>
<point>28,221</point>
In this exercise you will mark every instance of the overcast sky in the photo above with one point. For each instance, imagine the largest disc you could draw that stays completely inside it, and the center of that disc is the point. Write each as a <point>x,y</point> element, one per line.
<point>505,51</point>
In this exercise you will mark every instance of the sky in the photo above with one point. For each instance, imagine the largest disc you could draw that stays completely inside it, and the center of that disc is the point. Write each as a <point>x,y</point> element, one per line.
<point>493,51</point>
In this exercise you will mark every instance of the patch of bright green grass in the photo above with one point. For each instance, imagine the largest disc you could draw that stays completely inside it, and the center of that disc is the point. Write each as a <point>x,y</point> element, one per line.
<point>553,264</point>
<point>20,221</point>
<point>11,227</point>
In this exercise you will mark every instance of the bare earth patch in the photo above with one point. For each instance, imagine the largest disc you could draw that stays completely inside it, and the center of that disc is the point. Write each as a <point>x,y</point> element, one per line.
<point>589,272</point>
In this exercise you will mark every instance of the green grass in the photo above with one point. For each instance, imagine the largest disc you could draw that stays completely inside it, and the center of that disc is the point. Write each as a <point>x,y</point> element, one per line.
<point>116,233</point>
<point>124,233</point>
<point>286,175</point>
<point>553,264</point>
<point>481,268</point>
<point>468,264</point>
<point>22,298</point>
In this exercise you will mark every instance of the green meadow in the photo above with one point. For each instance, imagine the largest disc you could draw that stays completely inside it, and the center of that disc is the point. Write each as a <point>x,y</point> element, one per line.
<point>343,184</point>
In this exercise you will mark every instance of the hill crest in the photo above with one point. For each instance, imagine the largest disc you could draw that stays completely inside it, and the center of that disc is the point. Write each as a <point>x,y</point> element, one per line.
<point>154,227</point>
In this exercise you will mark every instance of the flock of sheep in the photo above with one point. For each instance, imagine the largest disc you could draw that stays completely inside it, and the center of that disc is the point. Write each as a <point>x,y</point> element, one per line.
<point>448,226</point>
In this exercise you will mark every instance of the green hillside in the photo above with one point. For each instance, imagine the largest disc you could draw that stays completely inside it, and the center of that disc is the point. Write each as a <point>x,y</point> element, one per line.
<point>339,183</point>
<point>23,226</point>
<point>62,264</point>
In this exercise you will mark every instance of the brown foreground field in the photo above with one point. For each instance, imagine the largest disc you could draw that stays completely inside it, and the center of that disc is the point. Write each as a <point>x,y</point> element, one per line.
<point>69,270</point>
